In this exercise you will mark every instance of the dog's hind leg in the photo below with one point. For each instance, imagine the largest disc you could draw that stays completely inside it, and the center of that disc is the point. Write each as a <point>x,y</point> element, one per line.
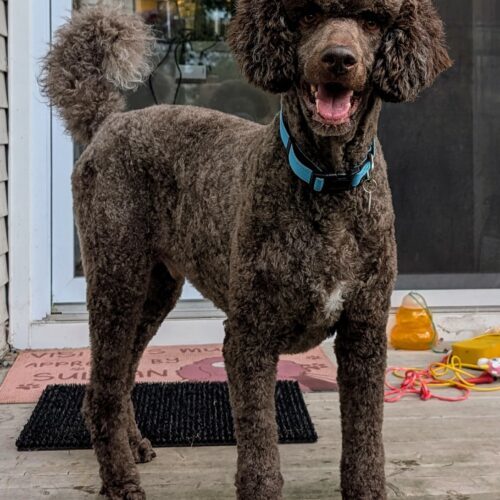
<point>116,293</point>
<point>113,216</point>
<point>163,293</point>
<point>251,366</point>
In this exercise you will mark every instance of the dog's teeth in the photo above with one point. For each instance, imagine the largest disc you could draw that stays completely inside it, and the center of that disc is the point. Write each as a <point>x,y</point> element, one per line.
<point>314,91</point>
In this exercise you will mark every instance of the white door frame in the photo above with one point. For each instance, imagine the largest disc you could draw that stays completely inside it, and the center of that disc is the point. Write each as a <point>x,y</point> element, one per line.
<point>31,153</point>
<point>32,322</point>
<point>30,171</point>
<point>65,286</point>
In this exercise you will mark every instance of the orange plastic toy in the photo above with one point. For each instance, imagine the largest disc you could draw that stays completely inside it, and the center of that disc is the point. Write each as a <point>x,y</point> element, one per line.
<point>414,329</point>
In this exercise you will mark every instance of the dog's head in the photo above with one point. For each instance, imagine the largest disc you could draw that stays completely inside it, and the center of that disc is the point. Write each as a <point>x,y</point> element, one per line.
<point>335,53</point>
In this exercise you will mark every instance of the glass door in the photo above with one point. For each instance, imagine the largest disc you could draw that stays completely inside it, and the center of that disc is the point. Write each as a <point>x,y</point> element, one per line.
<point>193,66</point>
<point>442,151</point>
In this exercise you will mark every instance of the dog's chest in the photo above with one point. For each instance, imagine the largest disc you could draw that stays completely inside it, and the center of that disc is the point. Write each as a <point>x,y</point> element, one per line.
<point>330,302</point>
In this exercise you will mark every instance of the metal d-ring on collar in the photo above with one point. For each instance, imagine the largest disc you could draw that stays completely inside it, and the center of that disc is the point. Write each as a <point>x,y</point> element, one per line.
<point>308,171</point>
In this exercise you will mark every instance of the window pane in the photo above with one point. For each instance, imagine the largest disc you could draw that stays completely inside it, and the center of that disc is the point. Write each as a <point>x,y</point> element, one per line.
<point>443,152</point>
<point>193,64</point>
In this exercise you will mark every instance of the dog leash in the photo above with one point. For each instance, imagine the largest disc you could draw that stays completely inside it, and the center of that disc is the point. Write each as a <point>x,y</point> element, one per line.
<point>450,373</point>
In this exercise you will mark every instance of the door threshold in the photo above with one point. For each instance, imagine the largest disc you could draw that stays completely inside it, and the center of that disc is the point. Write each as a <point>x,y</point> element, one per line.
<point>185,309</point>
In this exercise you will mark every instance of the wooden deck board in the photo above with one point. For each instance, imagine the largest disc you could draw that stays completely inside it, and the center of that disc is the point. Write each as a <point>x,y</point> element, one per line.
<point>434,450</point>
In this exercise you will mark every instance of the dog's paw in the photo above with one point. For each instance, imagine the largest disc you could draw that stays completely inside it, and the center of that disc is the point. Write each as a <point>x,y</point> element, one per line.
<point>143,451</point>
<point>128,491</point>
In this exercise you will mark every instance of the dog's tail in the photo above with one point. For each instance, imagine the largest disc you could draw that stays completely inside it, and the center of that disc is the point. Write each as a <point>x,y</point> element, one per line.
<point>98,53</point>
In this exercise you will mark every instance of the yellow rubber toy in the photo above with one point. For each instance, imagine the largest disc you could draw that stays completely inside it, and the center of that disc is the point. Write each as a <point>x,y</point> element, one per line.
<point>471,350</point>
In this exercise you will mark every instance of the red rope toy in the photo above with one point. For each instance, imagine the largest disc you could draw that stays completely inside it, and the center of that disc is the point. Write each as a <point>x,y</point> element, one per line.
<point>418,381</point>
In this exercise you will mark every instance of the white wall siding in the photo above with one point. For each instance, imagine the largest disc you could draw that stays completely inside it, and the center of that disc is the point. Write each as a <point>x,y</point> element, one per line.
<point>4,140</point>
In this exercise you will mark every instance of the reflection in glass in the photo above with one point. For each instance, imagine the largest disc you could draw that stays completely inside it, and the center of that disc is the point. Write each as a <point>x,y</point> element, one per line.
<point>193,63</point>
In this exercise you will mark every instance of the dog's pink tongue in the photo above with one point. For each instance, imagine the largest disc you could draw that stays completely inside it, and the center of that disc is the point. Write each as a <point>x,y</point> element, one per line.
<point>333,105</point>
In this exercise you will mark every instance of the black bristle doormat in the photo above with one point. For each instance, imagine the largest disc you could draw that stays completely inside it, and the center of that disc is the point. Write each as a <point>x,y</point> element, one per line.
<point>171,414</point>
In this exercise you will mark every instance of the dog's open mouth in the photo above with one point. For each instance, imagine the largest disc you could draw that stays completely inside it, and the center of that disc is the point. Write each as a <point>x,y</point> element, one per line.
<point>333,103</point>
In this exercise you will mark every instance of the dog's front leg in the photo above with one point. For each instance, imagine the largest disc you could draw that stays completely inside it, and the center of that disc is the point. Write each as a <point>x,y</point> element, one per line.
<point>361,355</point>
<point>251,368</point>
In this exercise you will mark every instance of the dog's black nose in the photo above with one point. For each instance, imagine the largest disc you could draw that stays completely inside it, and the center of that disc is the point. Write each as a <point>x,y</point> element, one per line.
<point>339,60</point>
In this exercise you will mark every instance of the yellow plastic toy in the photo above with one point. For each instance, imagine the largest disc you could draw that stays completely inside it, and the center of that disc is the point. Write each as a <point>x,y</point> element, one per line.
<point>484,346</point>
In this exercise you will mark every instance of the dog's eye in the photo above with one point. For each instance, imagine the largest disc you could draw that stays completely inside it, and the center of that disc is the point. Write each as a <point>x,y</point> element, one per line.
<point>309,18</point>
<point>370,21</point>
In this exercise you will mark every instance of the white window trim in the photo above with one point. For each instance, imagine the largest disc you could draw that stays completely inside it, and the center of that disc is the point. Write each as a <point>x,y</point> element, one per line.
<point>32,323</point>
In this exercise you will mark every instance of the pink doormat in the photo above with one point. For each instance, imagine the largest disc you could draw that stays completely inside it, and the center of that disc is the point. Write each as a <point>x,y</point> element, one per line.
<point>34,370</point>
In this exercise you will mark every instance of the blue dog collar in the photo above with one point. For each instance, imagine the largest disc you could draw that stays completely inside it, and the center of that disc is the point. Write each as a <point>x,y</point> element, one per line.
<point>308,172</point>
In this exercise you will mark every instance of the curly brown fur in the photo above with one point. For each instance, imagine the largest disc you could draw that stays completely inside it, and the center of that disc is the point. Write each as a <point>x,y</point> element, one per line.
<point>95,54</point>
<point>174,192</point>
<point>266,56</point>
<point>413,53</point>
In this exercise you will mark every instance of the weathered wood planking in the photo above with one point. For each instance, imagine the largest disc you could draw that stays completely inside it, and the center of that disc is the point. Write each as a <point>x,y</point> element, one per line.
<point>435,451</point>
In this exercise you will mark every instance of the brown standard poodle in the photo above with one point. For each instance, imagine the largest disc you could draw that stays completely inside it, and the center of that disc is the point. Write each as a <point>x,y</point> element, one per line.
<point>288,228</point>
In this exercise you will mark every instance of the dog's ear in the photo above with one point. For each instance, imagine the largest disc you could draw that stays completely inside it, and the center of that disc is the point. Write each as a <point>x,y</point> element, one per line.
<point>413,52</point>
<point>263,44</point>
